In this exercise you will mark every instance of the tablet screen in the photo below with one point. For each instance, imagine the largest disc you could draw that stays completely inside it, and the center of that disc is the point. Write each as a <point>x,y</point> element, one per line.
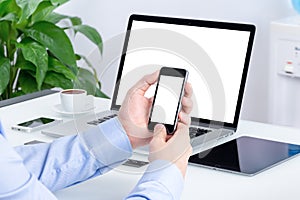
<point>246,155</point>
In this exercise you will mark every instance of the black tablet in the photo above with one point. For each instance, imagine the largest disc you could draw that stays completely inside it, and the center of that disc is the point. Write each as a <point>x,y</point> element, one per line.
<point>246,155</point>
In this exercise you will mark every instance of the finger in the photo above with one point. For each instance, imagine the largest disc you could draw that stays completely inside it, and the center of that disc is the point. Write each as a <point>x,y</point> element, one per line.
<point>148,80</point>
<point>187,104</point>
<point>168,137</point>
<point>183,129</point>
<point>148,109</point>
<point>188,90</point>
<point>184,118</point>
<point>151,100</point>
<point>181,134</point>
<point>160,133</point>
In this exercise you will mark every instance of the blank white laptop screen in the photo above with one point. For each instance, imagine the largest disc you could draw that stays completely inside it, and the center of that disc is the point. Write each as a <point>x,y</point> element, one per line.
<point>221,48</point>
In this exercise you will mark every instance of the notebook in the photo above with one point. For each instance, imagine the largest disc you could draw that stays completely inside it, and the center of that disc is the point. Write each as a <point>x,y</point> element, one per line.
<point>216,54</point>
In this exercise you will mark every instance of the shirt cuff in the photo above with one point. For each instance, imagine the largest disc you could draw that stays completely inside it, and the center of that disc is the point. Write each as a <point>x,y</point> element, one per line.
<point>167,174</point>
<point>2,130</point>
<point>108,143</point>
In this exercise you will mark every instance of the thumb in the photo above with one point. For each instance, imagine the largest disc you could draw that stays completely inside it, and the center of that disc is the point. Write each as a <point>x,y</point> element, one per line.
<point>160,133</point>
<point>158,142</point>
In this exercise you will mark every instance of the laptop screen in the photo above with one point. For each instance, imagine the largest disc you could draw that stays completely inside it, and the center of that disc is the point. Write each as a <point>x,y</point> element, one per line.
<point>216,54</point>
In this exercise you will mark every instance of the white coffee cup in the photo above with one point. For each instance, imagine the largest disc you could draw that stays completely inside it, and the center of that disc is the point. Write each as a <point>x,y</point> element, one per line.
<point>76,100</point>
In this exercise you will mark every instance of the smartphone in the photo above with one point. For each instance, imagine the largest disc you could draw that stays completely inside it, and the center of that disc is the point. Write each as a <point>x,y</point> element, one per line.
<point>36,124</point>
<point>167,98</point>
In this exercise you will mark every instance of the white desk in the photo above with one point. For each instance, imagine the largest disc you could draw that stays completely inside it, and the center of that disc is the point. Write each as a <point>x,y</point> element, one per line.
<point>280,182</point>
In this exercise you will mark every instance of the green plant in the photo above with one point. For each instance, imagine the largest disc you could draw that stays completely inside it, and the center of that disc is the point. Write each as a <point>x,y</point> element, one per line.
<point>36,53</point>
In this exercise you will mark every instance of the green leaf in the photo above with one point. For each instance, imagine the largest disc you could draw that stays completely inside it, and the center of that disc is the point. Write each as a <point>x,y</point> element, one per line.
<point>46,86</point>
<point>37,54</point>
<point>42,12</point>
<point>9,6</point>
<point>58,2</point>
<point>58,80</point>
<point>9,17</point>
<point>56,66</point>
<point>21,63</point>
<point>8,34</point>
<point>55,17</point>
<point>91,33</point>
<point>56,40</point>
<point>17,93</point>
<point>27,82</point>
<point>4,73</point>
<point>1,49</point>
<point>85,80</point>
<point>5,29</point>
<point>28,7</point>
<point>94,71</point>
<point>25,65</point>
<point>75,21</point>
<point>3,6</point>
<point>100,94</point>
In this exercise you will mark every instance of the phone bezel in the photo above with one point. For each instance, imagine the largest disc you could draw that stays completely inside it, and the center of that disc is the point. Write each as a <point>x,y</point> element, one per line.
<point>175,72</point>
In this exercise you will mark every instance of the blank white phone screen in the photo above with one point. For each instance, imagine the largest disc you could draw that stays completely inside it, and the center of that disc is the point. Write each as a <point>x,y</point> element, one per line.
<point>166,100</point>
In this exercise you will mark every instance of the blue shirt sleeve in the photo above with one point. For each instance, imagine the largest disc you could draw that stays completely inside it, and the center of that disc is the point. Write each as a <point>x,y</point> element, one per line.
<point>162,180</point>
<point>110,148</point>
<point>70,160</point>
<point>16,182</point>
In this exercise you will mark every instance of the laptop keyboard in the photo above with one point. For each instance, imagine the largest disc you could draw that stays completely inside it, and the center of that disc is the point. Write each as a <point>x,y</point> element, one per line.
<point>194,131</point>
<point>102,119</point>
<point>135,163</point>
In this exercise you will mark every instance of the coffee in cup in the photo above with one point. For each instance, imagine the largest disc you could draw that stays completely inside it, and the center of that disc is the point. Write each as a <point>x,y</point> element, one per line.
<point>76,100</point>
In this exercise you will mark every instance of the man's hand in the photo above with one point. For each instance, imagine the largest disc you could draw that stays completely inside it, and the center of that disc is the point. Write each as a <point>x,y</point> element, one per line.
<point>176,149</point>
<point>135,109</point>
<point>134,112</point>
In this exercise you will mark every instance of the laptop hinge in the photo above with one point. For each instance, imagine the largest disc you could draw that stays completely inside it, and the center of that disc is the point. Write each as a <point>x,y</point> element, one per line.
<point>213,125</point>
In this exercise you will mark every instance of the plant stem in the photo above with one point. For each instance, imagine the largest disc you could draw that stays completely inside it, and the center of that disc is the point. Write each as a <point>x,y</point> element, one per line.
<point>10,55</point>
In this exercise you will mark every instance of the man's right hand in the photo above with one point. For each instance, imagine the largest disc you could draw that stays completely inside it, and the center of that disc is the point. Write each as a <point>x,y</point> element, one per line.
<point>176,149</point>
<point>134,112</point>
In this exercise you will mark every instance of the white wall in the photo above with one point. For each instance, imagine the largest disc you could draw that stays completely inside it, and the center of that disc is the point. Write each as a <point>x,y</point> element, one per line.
<point>110,19</point>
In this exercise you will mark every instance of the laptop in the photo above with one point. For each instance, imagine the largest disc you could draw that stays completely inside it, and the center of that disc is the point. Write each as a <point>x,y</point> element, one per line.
<point>216,54</point>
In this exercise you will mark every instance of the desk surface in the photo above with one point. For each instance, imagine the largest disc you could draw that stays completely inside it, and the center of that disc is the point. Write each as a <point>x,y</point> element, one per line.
<point>279,182</point>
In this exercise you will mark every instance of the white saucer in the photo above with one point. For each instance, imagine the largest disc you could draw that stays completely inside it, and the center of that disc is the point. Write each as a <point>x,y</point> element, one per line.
<point>58,108</point>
